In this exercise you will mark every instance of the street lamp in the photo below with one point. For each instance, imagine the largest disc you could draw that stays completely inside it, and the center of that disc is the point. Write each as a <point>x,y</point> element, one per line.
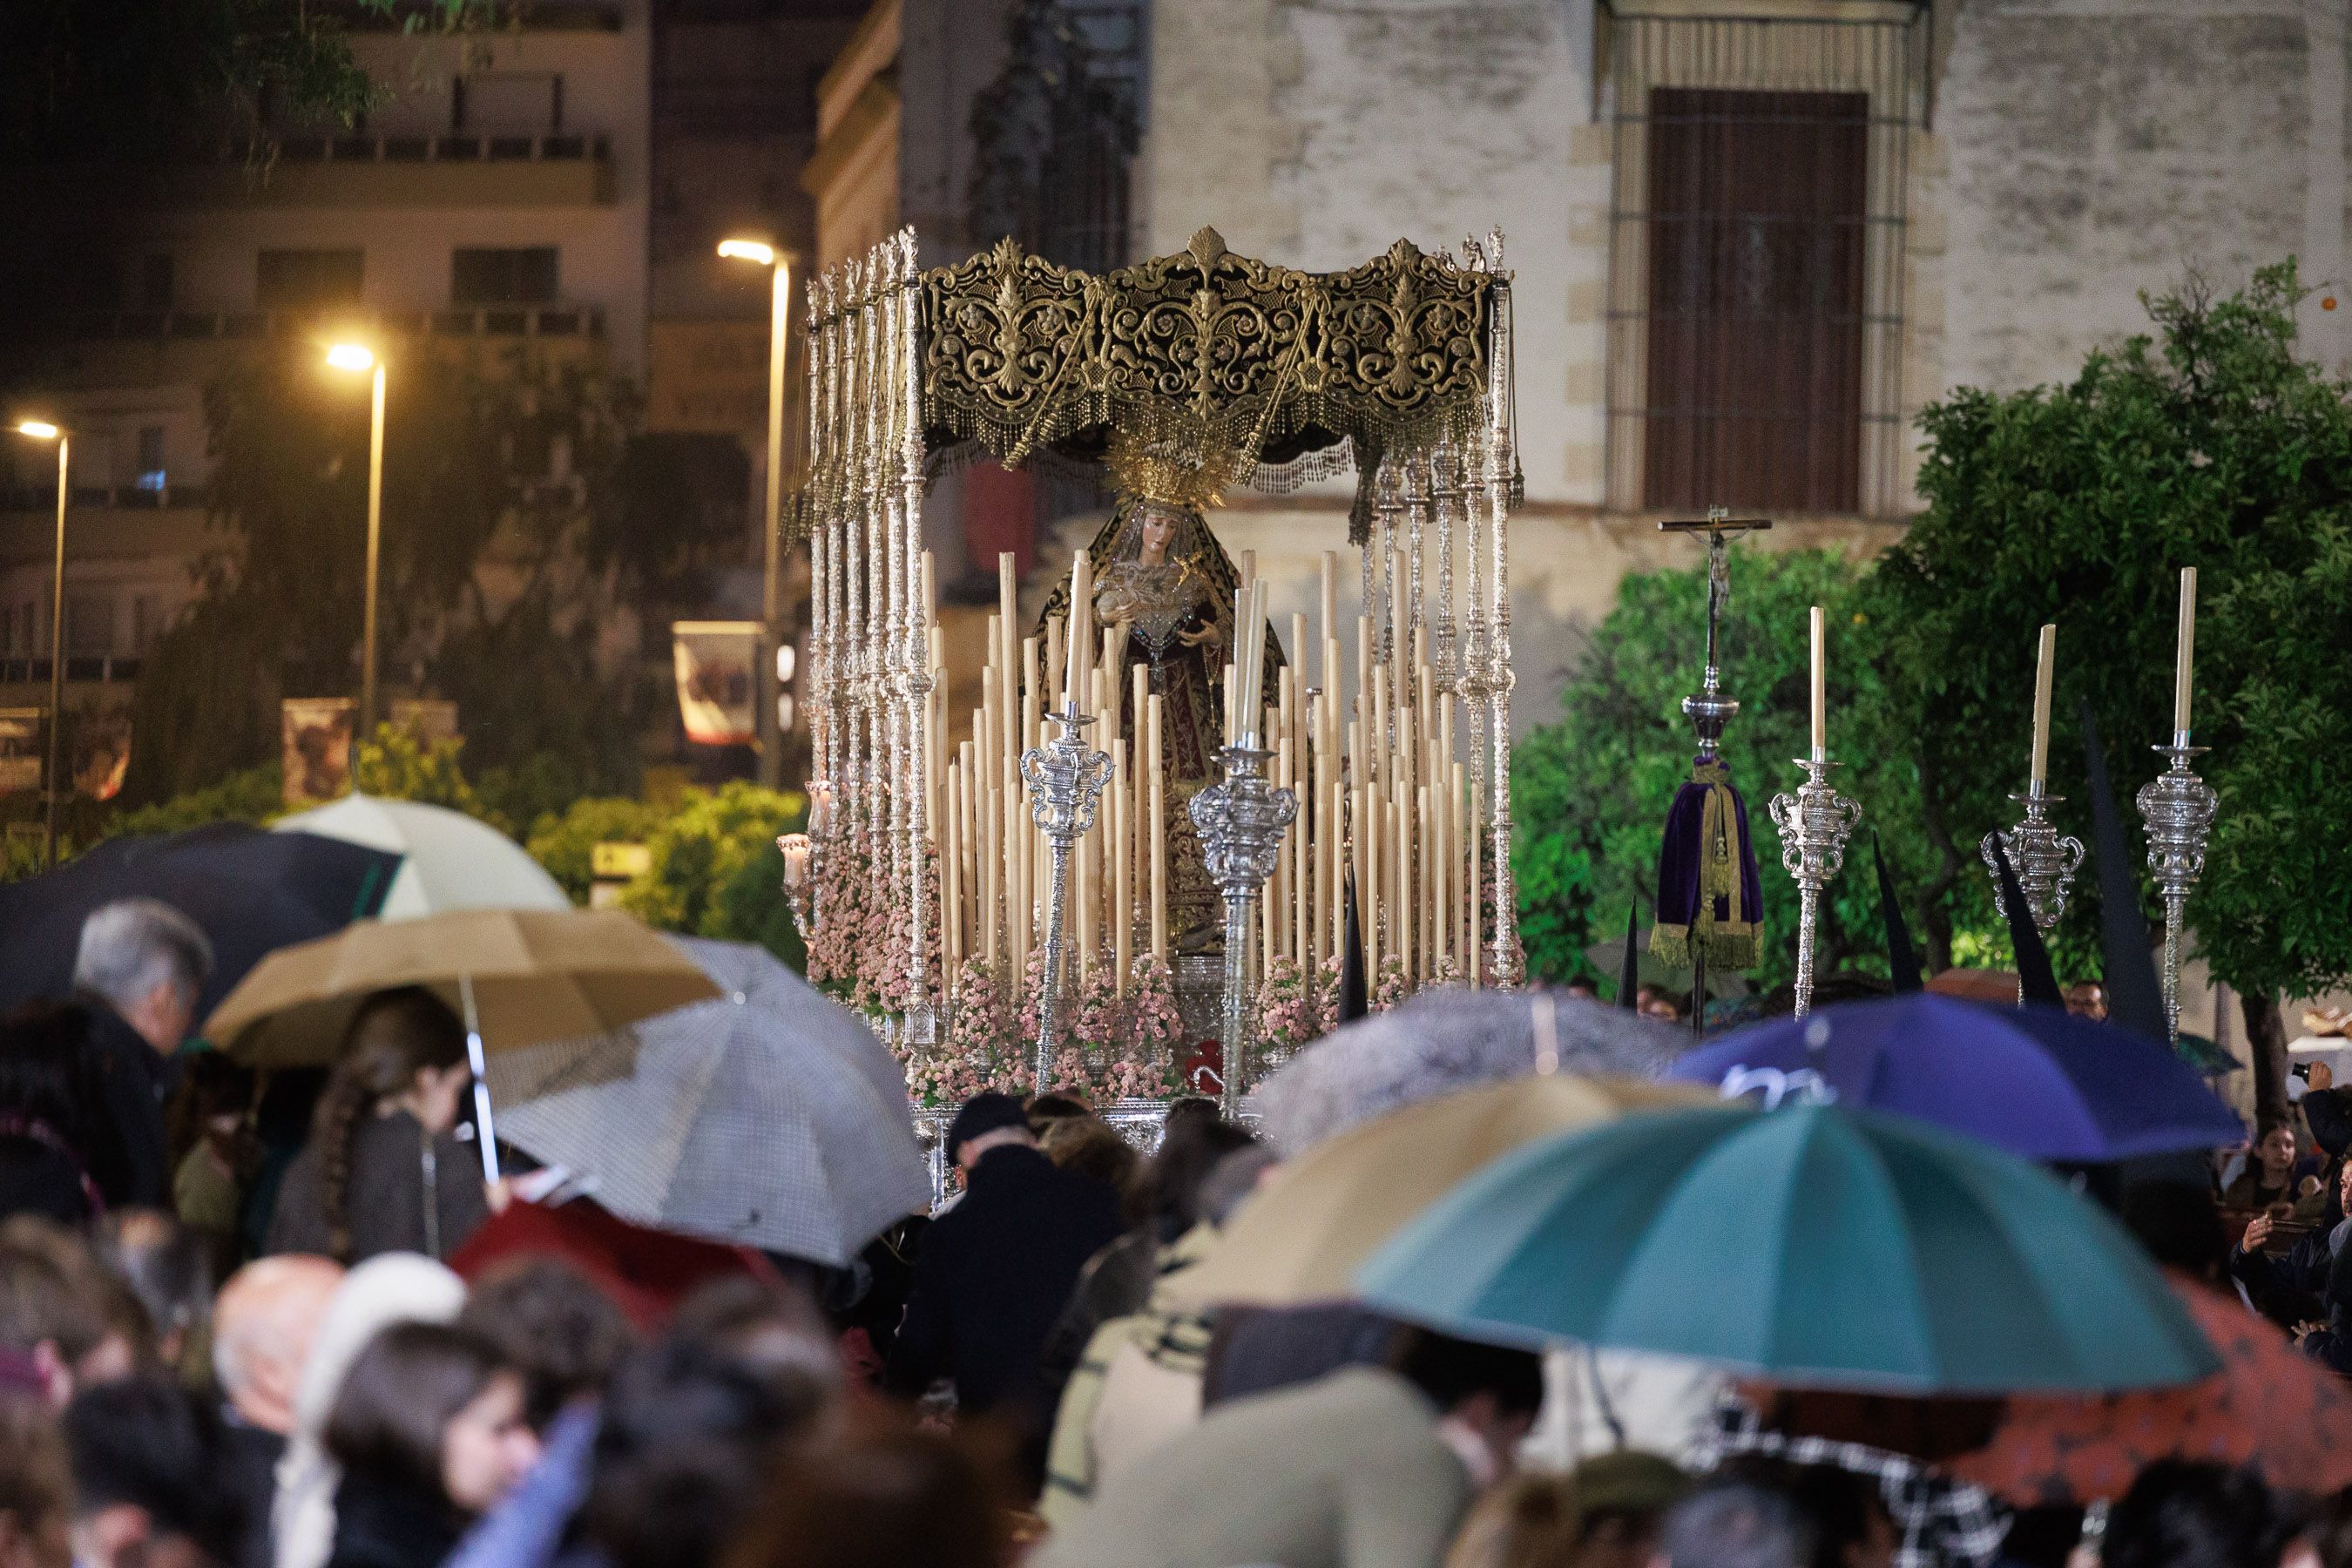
<point>762,253</point>
<point>43,430</point>
<point>359,357</point>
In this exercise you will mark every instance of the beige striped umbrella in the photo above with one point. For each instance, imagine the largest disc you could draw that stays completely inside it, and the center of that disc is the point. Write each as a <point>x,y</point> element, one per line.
<point>1301,1238</point>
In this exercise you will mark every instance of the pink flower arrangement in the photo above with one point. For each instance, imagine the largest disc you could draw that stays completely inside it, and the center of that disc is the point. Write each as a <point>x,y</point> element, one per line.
<point>979,1052</point>
<point>1290,1015</point>
<point>1394,985</point>
<point>1153,1024</point>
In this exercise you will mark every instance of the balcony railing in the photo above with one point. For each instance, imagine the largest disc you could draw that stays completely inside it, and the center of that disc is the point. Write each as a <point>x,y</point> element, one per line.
<point>451,147</point>
<point>543,320</point>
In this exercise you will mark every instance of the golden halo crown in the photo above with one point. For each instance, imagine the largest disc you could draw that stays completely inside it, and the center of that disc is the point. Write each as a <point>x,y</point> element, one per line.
<point>1154,472</point>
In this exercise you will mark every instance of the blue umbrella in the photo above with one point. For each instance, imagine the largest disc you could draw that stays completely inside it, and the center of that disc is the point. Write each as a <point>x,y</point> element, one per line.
<point>1817,1245</point>
<point>2032,1080</point>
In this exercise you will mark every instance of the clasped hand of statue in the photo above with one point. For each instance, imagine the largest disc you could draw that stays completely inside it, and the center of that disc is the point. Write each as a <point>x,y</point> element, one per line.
<point>1206,638</point>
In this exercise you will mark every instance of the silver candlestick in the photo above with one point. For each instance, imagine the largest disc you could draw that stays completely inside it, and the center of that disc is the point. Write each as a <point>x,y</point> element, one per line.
<point>2177,807</point>
<point>1241,822</point>
<point>1066,780</point>
<point>2046,863</point>
<point>1814,824</point>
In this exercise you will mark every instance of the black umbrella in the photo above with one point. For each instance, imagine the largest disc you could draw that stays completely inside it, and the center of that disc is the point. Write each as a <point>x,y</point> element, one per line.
<point>2135,998</point>
<point>251,892</point>
<point>1902,963</point>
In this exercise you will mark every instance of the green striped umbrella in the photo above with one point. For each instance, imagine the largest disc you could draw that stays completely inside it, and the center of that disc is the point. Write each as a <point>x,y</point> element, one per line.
<point>1813,1244</point>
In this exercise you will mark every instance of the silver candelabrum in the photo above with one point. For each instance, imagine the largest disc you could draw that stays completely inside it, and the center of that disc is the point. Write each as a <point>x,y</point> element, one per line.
<point>1814,824</point>
<point>2177,807</point>
<point>1066,779</point>
<point>2046,863</point>
<point>1241,820</point>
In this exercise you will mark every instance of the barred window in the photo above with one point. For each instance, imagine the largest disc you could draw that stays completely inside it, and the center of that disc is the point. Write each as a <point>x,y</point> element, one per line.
<point>1757,260</point>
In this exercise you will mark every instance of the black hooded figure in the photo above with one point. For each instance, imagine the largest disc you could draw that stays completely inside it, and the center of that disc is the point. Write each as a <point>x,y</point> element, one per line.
<point>2036,980</point>
<point>2135,998</point>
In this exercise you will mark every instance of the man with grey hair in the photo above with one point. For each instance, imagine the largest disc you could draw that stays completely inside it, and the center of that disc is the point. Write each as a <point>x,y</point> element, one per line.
<point>139,970</point>
<point>1734,1524</point>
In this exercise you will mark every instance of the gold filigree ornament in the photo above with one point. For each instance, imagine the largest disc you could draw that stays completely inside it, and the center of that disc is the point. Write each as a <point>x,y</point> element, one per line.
<point>1205,353</point>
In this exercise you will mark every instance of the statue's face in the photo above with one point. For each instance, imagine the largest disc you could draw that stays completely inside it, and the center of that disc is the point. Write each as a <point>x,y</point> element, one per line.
<point>1158,530</point>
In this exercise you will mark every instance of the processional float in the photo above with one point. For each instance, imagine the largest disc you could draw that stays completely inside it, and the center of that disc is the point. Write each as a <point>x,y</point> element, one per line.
<point>1151,778</point>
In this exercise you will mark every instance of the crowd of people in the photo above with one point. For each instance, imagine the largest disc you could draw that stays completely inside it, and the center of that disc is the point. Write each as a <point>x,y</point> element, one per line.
<point>269,1321</point>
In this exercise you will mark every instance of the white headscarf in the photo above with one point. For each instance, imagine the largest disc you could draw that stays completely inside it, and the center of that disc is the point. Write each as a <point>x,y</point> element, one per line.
<point>391,1287</point>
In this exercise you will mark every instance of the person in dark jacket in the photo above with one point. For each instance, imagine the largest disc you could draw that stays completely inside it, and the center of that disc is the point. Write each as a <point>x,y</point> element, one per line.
<point>995,1269</point>
<point>430,1432</point>
<point>384,1170</point>
<point>2289,1288</point>
<point>140,969</point>
<point>47,1114</point>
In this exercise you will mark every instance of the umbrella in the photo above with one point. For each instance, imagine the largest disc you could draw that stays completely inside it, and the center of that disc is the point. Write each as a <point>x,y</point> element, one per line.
<point>1814,1245</point>
<point>451,861</point>
<point>647,1273</point>
<point>2032,1080</point>
<point>250,891</point>
<point>1446,1039</point>
<point>534,976</point>
<point>1649,969</point>
<point>1303,1238</point>
<point>2270,1405</point>
<point>770,1118</point>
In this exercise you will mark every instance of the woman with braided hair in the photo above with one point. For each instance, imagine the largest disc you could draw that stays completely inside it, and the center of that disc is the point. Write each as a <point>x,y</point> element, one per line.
<point>384,1170</point>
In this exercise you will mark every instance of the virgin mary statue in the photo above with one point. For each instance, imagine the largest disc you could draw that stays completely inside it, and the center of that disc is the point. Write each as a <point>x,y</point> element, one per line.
<point>1160,573</point>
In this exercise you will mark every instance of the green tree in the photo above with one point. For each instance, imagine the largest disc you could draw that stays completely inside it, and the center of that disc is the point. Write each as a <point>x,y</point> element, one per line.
<point>565,843</point>
<point>1590,791</point>
<point>498,472</point>
<point>717,871</point>
<point>2207,442</point>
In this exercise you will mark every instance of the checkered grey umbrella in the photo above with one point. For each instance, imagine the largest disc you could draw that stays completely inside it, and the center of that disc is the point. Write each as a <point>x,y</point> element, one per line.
<point>1447,1039</point>
<point>770,1118</point>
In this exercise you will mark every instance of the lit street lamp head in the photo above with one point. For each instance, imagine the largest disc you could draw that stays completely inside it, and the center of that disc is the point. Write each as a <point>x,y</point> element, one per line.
<point>39,429</point>
<point>351,357</point>
<point>758,250</point>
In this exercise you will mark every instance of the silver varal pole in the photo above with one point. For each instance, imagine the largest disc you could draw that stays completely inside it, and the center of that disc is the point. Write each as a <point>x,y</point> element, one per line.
<point>1814,824</point>
<point>1241,820</point>
<point>2177,809</point>
<point>2044,862</point>
<point>1066,780</point>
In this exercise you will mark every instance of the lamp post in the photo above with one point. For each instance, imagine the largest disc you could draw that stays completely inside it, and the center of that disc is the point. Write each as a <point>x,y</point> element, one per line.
<point>43,430</point>
<point>355,357</point>
<point>779,307</point>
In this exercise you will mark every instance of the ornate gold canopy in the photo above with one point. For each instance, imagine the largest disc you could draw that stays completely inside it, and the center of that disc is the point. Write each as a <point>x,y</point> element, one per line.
<point>1205,353</point>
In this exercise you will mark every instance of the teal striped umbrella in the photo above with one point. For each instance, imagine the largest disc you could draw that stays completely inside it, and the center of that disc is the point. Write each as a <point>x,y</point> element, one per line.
<point>1813,1244</point>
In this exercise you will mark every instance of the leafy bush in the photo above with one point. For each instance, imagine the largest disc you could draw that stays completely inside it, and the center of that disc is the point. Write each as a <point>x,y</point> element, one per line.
<point>717,871</point>
<point>566,844</point>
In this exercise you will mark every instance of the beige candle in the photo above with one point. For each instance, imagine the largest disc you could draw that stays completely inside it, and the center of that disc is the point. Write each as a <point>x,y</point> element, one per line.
<point>1155,780</point>
<point>1475,888</point>
<point>1368,887</point>
<point>2045,666</point>
<point>1121,901</point>
<point>1329,844</point>
<point>992,871</point>
<point>1821,694</point>
<point>1425,905</point>
<point>1463,911</point>
<point>951,890</point>
<point>1077,688</point>
<point>1399,638</point>
<point>2184,655</point>
<point>1003,652</point>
